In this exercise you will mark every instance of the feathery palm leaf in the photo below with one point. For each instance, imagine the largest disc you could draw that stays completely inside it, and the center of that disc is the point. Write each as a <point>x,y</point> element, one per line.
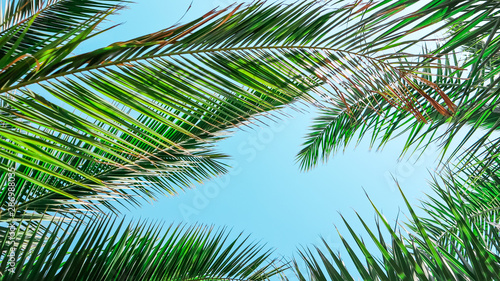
<point>414,256</point>
<point>475,195</point>
<point>336,127</point>
<point>104,250</point>
<point>36,24</point>
<point>473,88</point>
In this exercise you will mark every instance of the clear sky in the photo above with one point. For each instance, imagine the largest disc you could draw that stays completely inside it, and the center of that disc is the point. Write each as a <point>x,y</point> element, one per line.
<point>265,194</point>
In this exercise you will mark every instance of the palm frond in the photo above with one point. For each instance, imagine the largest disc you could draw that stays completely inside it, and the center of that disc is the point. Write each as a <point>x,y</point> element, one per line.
<point>166,174</point>
<point>474,193</point>
<point>472,87</point>
<point>336,127</point>
<point>36,24</point>
<point>411,256</point>
<point>104,250</point>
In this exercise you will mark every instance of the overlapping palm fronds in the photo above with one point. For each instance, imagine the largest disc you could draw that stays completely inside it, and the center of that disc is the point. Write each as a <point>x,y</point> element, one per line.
<point>150,101</point>
<point>408,256</point>
<point>475,195</point>
<point>106,250</point>
<point>473,88</point>
<point>139,118</point>
<point>457,238</point>
<point>336,127</point>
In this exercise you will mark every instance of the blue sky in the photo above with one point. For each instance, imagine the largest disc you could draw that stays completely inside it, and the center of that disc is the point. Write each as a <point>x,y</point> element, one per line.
<point>266,194</point>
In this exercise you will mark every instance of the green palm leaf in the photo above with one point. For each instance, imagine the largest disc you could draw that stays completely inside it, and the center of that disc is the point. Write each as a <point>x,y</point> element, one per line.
<point>52,22</point>
<point>336,127</point>
<point>104,250</point>
<point>472,88</point>
<point>475,195</point>
<point>413,256</point>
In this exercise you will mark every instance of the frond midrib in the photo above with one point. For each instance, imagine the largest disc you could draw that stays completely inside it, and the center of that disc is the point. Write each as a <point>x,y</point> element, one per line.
<point>213,50</point>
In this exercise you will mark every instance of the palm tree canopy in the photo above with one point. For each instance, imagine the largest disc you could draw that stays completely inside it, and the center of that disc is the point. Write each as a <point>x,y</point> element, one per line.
<point>139,116</point>
<point>139,119</point>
